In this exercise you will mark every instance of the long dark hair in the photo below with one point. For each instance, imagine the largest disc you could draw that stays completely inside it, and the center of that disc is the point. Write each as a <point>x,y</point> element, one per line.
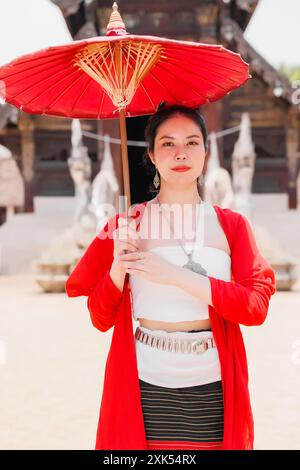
<point>163,113</point>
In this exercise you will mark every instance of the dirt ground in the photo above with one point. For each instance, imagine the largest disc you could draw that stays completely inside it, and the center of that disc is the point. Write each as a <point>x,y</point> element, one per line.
<point>52,363</point>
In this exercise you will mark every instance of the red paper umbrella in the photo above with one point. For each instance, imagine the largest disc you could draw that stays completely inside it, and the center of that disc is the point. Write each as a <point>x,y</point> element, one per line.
<point>119,75</point>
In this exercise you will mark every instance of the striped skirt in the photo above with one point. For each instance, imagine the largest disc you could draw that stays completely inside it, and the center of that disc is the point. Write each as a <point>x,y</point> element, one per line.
<point>183,418</point>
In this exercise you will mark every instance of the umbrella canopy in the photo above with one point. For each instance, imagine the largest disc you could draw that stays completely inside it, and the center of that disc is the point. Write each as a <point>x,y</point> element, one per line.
<point>119,75</point>
<point>93,78</point>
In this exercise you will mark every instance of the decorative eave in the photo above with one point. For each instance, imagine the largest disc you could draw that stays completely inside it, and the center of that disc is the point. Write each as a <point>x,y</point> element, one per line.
<point>234,37</point>
<point>243,11</point>
<point>80,17</point>
<point>8,113</point>
<point>68,7</point>
<point>78,13</point>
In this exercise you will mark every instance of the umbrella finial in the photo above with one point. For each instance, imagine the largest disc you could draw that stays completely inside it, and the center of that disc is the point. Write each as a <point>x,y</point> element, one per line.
<point>116,26</point>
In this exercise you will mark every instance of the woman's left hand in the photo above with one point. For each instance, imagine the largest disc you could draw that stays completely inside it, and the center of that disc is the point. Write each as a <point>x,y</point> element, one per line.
<point>151,266</point>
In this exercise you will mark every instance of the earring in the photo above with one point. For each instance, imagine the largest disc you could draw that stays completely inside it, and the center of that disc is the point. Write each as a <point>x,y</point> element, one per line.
<point>156,180</point>
<point>200,179</point>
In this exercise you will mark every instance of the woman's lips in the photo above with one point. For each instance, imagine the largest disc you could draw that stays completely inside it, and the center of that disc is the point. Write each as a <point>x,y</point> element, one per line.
<point>181,169</point>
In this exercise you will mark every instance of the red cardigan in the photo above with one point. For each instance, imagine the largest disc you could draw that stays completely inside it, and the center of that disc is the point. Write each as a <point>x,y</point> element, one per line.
<point>243,300</point>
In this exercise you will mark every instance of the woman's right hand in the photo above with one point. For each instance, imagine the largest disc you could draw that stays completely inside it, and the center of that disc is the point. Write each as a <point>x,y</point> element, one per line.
<point>125,237</point>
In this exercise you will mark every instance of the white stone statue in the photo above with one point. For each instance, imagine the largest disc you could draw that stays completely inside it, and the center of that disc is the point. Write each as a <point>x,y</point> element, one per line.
<point>217,188</point>
<point>85,222</point>
<point>53,265</point>
<point>104,188</point>
<point>243,165</point>
<point>8,113</point>
<point>298,190</point>
<point>12,190</point>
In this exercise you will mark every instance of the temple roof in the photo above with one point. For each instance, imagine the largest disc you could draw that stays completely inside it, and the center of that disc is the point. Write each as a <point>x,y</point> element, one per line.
<point>242,11</point>
<point>78,13</point>
<point>234,35</point>
<point>8,114</point>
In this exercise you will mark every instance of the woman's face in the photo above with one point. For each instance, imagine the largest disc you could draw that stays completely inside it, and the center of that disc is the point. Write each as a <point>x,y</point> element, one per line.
<point>179,142</point>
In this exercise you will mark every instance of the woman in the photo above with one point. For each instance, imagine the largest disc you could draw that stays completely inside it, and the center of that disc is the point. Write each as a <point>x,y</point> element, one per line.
<point>191,393</point>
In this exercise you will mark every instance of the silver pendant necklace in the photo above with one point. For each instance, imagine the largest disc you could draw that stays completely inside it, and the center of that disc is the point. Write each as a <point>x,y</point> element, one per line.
<point>191,264</point>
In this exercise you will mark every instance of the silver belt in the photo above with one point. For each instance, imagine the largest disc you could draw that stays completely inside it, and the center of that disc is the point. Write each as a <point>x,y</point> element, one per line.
<point>175,344</point>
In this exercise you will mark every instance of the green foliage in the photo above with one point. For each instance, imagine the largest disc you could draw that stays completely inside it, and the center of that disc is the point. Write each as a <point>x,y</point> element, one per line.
<point>291,72</point>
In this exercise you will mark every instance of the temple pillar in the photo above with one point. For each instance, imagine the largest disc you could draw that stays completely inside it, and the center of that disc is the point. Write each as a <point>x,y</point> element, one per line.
<point>26,126</point>
<point>293,156</point>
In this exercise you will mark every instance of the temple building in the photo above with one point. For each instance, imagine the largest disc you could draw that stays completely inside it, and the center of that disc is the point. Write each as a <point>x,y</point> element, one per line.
<point>41,144</point>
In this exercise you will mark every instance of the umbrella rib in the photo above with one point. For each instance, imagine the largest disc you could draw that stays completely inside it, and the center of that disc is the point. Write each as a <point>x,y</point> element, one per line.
<point>138,71</point>
<point>148,96</point>
<point>48,88</point>
<point>210,48</point>
<point>96,71</point>
<point>144,62</point>
<point>85,63</point>
<point>33,58</point>
<point>127,62</point>
<point>89,81</point>
<point>143,59</point>
<point>142,86</point>
<point>214,48</point>
<point>26,89</point>
<point>200,77</point>
<point>112,76</point>
<point>51,50</point>
<point>135,69</point>
<point>151,74</point>
<point>173,59</point>
<point>161,83</point>
<point>140,60</point>
<point>211,63</point>
<point>187,84</point>
<point>46,64</point>
<point>232,57</point>
<point>114,66</point>
<point>62,92</point>
<point>121,69</point>
<point>101,103</point>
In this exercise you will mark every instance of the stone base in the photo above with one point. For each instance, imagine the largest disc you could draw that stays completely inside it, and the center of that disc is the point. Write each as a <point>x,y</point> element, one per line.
<point>55,284</point>
<point>286,276</point>
<point>52,277</point>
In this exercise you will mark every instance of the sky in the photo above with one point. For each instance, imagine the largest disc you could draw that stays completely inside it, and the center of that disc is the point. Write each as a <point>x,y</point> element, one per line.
<point>274,31</point>
<point>30,25</point>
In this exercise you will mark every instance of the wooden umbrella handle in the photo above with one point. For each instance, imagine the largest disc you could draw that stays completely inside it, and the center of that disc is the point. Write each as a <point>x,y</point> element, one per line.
<point>125,166</point>
<point>124,155</point>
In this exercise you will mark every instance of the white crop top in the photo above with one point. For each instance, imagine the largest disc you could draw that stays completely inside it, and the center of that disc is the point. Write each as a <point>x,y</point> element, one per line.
<point>164,302</point>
